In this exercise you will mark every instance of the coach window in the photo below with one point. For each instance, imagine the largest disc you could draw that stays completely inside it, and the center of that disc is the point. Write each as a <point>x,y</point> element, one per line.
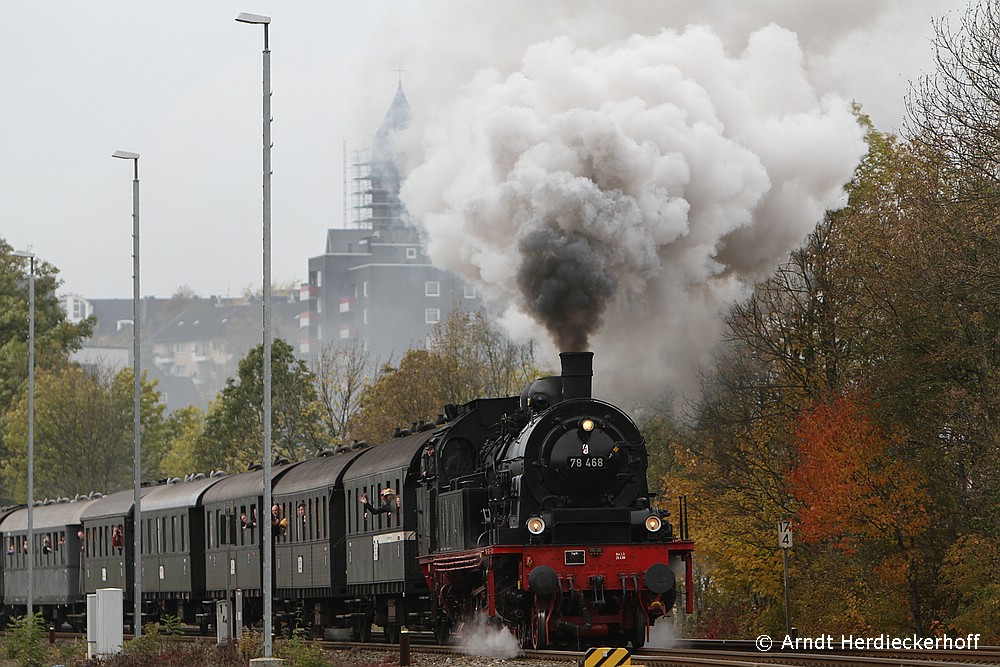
<point>321,519</point>
<point>350,511</point>
<point>399,503</point>
<point>253,524</point>
<point>318,523</point>
<point>312,513</point>
<point>173,534</point>
<point>183,534</point>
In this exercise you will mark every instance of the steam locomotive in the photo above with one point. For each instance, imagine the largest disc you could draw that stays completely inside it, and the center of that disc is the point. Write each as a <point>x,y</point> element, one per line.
<point>532,512</point>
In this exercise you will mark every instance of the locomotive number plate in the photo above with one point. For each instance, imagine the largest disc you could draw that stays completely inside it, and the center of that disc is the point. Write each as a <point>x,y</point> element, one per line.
<point>585,462</point>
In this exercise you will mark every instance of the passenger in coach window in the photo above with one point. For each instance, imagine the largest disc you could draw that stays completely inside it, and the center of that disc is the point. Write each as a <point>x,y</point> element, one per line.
<point>389,500</point>
<point>303,520</point>
<point>118,538</point>
<point>279,525</point>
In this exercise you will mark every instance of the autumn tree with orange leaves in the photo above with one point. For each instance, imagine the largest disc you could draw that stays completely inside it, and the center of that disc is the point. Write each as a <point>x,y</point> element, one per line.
<point>856,488</point>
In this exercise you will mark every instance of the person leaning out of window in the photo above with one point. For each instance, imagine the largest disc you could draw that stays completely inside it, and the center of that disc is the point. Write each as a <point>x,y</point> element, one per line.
<point>388,500</point>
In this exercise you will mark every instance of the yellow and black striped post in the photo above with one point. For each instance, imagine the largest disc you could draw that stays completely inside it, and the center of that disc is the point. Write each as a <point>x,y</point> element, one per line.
<point>606,657</point>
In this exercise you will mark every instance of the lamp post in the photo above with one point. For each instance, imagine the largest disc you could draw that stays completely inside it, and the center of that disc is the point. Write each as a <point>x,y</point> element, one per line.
<point>31,428</point>
<point>266,584</point>
<point>136,391</point>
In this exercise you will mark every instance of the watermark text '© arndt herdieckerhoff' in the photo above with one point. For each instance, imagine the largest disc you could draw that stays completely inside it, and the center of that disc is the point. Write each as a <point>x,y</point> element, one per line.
<point>862,643</point>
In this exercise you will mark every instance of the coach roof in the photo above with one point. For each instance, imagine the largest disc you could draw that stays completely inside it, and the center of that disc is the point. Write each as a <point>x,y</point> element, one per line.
<point>245,485</point>
<point>55,515</point>
<point>178,494</point>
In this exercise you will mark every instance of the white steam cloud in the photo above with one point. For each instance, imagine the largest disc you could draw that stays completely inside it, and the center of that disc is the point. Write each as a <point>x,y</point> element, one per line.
<point>481,638</point>
<point>623,197</point>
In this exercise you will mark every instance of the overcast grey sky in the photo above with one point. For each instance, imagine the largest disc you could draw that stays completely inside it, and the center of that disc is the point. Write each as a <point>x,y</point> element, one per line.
<point>180,83</point>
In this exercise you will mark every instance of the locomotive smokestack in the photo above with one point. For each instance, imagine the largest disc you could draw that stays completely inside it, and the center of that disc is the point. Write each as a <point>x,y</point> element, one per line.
<point>577,374</point>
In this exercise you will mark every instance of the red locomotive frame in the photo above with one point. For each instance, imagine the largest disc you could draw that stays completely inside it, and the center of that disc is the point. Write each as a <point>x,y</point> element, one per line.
<point>470,581</point>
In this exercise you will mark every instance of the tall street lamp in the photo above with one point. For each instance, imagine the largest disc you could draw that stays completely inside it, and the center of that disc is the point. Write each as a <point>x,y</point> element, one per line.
<point>31,428</point>
<point>256,19</point>
<point>136,391</point>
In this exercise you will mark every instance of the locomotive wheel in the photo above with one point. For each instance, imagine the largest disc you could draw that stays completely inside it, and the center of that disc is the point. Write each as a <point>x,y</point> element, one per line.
<point>365,630</point>
<point>442,631</point>
<point>522,630</point>
<point>638,627</point>
<point>540,629</point>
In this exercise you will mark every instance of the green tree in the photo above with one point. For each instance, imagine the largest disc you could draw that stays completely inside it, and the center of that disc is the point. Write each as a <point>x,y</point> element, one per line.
<point>234,428</point>
<point>972,584</point>
<point>183,428</point>
<point>83,437</point>
<point>55,337</point>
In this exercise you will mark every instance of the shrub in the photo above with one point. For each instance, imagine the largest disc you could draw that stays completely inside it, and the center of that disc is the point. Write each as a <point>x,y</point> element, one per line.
<point>26,641</point>
<point>300,652</point>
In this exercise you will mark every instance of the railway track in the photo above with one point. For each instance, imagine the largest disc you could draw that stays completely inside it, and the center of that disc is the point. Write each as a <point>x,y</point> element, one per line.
<point>720,657</point>
<point>737,658</point>
<point>709,653</point>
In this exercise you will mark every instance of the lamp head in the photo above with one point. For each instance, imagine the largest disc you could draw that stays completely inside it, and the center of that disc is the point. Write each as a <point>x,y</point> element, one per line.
<point>22,253</point>
<point>125,155</point>
<point>253,18</point>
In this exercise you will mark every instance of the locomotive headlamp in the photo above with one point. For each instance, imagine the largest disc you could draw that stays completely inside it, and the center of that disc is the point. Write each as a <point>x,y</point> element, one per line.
<point>653,523</point>
<point>536,525</point>
<point>587,425</point>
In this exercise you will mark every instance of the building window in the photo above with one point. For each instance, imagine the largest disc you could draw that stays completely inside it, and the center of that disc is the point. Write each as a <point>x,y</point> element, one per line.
<point>364,288</point>
<point>319,279</point>
<point>469,292</point>
<point>411,253</point>
<point>365,315</point>
<point>432,315</point>
<point>345,333</point>
<point>432,288</point>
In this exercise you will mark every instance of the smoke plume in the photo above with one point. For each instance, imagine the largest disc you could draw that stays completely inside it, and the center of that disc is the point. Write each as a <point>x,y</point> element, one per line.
<point>624,196</point>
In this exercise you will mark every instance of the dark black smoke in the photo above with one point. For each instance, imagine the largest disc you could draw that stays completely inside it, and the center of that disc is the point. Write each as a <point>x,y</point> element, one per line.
<point>564,285</point>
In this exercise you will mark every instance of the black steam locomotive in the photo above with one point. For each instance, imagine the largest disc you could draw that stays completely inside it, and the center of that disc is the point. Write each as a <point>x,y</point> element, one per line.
<point>530,511</point>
